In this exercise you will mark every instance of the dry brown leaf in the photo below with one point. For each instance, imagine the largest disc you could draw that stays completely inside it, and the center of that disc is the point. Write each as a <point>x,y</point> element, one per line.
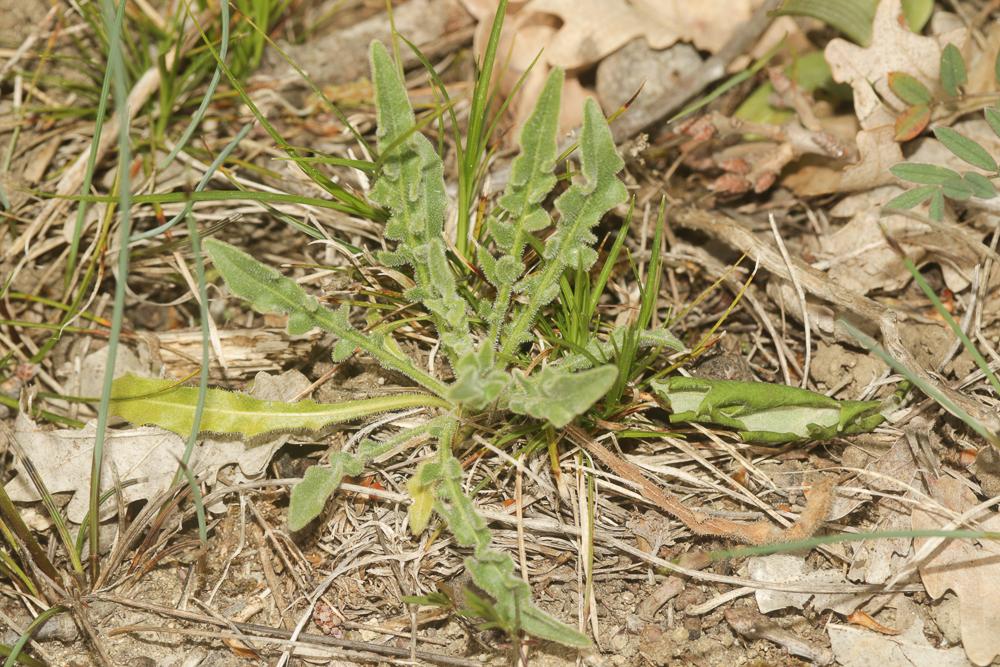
<point>854,647</point>
<point>786,568</point>
<point>149,455</point>
<point>969,569</point>
<point>862,259</point>
<point>577,34</point>
<point>894,48</point>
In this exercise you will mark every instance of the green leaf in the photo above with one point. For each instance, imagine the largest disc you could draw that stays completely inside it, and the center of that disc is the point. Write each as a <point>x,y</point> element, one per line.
<point>953,74</point>
<point>411,187</point>
<point>421,490</point>
<point>981,186</point>
<point>936,210</point>
<point>268,292</point>
<point>492,571</point>
<point>521,209</point>
<point>966,149</point>
<point>909,88</point>
<point>911,198</point>
<point>993,119</point>
<point>310,495</point>
<point>581,207</point>
<point>959,190</point>
<point>766,413</point>
<point>558,396</point>
<point>912,122</point>
<point>165,404</point>
<point>917,13</point>
<point>531,174</point>
<point>929,174</point>
<point>478,382</point>
<point>852,17</point>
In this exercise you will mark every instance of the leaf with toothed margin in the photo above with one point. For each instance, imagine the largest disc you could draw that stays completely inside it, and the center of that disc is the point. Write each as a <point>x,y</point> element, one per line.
<point>493,571</point>
<point>269,292</point>
<point>411,187</point>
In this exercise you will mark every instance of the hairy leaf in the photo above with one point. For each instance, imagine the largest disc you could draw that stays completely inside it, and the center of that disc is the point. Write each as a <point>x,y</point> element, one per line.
<point>478,382</point>
<point>531,180</point>
<point>309,496</point>
<point>421,489</point>
<point>269,292</point>
<point>608,350</point>
<point>493,571</point>
<point>149,401</point>
<point>557,395</point>
<point>581,207</point>
<point>411,187</point>
<point>766,413</point>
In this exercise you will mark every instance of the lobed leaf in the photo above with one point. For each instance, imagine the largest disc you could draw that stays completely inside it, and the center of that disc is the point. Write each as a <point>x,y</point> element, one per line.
<point>531,179</point>
<point>765,413</point>
<point>966,149</point>
<point>491,570</point>
<point>411,187</point>
<point>269,292</point>
<point>581,207</point>
<point>163,403</point>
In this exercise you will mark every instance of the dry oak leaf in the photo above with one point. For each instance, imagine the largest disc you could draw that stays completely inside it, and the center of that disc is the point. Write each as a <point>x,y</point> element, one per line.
<point>970,570</point>
<point>577,34</point>
<point>893,49</point>
<point>147,455</point>
<point>592,29</point>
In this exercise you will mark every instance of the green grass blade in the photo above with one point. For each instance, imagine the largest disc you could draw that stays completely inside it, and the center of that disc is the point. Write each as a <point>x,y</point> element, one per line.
<point>955,327</point>
<point>117,66</point>
<point>208,95</point>
<point>929,390</point>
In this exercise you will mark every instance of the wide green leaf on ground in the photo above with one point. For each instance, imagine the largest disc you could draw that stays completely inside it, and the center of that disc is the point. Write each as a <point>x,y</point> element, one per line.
<point>763,412</point>
<point>164,403</point>
<point>557,395</point>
